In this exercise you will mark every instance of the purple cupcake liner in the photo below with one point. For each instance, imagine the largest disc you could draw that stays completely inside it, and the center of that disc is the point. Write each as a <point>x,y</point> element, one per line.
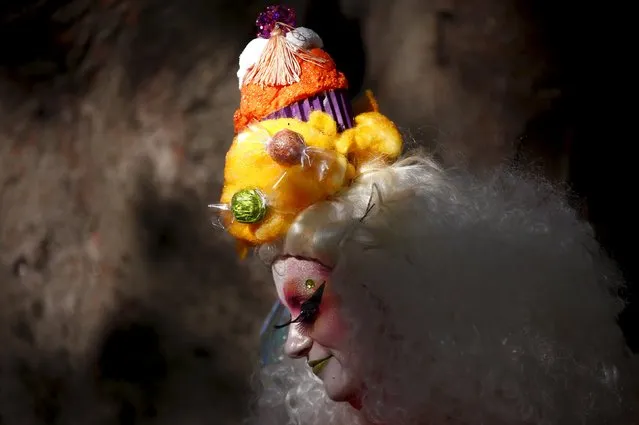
<point>333,102</point>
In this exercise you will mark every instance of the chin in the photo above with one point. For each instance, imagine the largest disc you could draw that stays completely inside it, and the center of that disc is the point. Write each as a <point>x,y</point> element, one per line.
<point>342,389</point>
<point>339,393</point>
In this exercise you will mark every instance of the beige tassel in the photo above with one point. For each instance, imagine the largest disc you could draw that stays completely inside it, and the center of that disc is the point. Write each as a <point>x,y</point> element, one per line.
<point>279,65</point>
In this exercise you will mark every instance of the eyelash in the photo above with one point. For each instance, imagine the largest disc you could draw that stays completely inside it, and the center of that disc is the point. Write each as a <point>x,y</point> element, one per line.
<point>307,316</point>
<point>308,310</point>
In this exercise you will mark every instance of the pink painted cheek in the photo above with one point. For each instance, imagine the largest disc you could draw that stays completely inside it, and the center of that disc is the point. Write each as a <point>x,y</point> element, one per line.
<point>292,300</point>
<point>330,329</point>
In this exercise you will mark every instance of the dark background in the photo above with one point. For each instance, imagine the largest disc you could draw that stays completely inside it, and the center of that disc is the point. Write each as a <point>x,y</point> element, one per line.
<point>121,304</point>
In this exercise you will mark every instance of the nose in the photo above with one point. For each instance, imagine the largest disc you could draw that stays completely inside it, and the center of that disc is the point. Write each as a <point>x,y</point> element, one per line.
<point>297,345</point>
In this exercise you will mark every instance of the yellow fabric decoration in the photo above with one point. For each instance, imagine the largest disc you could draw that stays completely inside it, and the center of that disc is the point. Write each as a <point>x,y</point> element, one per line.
<point>373,137</point>
<point>329,163</point>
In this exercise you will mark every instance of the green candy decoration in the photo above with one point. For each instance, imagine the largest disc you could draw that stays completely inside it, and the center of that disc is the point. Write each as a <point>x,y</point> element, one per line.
<point>248,206</point>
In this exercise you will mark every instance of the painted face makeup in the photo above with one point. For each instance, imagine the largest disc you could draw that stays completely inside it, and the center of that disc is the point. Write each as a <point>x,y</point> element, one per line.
<point>317,331</point>
<point>309,308</point>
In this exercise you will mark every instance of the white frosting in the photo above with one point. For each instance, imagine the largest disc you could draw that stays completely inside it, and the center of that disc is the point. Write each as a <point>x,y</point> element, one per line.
<point>250,56</point>
<point>304,38</point>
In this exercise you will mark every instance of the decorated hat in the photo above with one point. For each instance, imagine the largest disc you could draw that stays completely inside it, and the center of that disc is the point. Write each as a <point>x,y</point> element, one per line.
<point>285,73</point>
<point>298,139</point>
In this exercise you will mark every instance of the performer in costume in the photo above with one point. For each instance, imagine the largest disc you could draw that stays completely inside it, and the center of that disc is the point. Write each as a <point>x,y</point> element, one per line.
<point>409,294</point>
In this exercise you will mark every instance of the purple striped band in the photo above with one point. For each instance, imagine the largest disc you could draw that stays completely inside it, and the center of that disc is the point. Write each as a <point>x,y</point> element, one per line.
<point>333,102</point>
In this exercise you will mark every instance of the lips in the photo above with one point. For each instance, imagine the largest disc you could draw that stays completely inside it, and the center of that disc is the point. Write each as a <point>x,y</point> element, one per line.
<point>318,365</point>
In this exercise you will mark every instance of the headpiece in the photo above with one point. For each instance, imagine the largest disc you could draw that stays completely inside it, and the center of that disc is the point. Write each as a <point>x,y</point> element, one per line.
<point>298,140</point>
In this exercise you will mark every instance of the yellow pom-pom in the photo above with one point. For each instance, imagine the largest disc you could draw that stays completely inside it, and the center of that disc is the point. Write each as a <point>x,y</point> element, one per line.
<point>323,122</point>
<point>374,137</point>
<point>288,189</point>
<point>308,162</point>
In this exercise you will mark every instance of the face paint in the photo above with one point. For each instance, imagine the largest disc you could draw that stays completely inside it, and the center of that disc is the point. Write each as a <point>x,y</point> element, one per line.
<point>317,330</point>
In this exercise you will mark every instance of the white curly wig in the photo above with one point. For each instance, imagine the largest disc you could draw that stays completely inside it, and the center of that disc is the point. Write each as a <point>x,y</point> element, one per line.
<point>471,300</point>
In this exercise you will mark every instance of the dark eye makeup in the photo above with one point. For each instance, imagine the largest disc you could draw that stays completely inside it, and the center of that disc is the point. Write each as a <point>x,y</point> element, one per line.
<point>308,309</point>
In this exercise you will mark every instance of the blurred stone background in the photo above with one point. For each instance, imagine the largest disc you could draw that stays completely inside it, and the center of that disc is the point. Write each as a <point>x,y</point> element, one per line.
<point>120,303</point>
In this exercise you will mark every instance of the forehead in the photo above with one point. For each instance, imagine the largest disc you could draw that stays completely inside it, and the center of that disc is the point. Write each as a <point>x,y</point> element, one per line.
<point>292,273</point>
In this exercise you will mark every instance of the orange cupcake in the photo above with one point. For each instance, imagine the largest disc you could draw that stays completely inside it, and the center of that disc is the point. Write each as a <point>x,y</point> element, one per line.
<point>284,73</point>
<point>260,102</point>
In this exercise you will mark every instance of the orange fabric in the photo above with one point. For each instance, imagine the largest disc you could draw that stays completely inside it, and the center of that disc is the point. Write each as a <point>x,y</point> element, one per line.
<point>257,102</point>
